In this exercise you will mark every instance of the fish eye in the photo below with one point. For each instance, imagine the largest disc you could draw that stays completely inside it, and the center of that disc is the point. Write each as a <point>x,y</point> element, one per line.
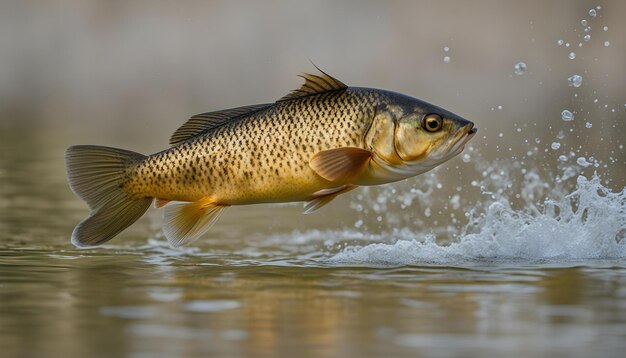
<point>432,122</point>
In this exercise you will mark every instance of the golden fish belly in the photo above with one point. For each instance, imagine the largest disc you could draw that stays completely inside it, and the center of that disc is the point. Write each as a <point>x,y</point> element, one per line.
<point>229,182</point>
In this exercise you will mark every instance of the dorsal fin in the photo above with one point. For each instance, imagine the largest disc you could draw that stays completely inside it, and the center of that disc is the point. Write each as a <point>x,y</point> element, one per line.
<point>315,84</point>
<point>206,121</point>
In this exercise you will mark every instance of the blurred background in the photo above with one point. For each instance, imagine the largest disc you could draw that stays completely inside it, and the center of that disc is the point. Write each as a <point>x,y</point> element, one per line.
<point>128,73</point>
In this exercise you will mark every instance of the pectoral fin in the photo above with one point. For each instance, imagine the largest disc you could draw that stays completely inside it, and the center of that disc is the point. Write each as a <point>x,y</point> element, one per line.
<point>325,196</point>
<point>340,165</point>
<point>185,222</point>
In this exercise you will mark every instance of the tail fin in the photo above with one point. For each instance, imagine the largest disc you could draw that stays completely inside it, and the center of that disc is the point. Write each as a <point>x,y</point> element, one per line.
<point>96,175</point>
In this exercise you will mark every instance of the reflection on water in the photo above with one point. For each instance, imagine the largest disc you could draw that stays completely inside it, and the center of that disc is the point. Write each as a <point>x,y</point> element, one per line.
<point>273,292</point>
<point>119,303</point>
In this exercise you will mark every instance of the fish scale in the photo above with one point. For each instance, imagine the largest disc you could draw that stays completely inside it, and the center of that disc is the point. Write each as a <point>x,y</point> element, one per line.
<point>319,141</point>
<point>240,161</point>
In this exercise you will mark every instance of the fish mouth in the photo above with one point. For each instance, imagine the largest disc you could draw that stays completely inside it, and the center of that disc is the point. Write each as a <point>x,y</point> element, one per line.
<point>453,147</point>
<point>469,133</point>
<point>465,134</point>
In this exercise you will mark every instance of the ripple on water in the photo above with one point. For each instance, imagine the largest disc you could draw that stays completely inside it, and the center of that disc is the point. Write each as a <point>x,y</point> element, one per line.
<point>212,305</point>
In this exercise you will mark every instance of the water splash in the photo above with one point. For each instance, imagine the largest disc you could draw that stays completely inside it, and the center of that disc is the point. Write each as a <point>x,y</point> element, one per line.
<point>588,223</point>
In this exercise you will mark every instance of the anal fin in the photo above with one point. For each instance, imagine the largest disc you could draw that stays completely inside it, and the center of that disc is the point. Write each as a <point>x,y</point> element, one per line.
<point>325,196</point>
<point>186,222</point>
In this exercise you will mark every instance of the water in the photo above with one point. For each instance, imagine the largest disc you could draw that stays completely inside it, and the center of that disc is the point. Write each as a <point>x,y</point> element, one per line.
<point>575,81</point>
<point>567,115</point>
<point>520,68</point>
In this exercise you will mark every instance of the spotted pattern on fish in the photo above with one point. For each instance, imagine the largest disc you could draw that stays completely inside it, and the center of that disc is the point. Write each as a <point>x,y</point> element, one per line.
<point>261,158</point>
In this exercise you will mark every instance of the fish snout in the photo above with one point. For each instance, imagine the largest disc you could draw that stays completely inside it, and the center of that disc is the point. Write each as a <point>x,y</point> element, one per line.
<point>469,128</point>
<point>467,132</point>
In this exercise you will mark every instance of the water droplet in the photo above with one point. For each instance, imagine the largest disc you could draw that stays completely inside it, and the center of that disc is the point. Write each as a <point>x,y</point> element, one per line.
<point>580,44</point>
<point>446,59</point>
<point>561,42</point>
<point>499,107</point>
<point>583,22</point>
<point>563,158</point>
<point>572,55</point>
<point>592,13</point>
<point>520,68</point>
<point>607,44</point>
<point>567,115</point>
<point>446,49</point>
<point>588,125</point>
<point>598,7</point>
<point>500,135</point>
<point>567,44</point>
<point>575,81</point>
<point>587,37</point>
<point>466,158</point>
<point>587,29</point>
<point>582,162</point>
<point>555,145</point>
<point>606,28</point>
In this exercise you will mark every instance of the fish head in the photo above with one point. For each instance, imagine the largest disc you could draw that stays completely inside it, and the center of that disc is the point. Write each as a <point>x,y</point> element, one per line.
<point>429,135</point>
<point>410,136</point>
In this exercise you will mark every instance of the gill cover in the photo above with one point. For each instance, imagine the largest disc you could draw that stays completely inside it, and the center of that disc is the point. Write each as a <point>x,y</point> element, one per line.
<point>380,135</point>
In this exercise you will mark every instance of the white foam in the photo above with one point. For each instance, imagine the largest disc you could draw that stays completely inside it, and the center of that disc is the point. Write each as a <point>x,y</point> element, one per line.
<point>588,223</point>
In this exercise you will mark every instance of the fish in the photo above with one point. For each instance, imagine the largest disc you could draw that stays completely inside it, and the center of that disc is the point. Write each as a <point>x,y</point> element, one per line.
<point>319,141</point>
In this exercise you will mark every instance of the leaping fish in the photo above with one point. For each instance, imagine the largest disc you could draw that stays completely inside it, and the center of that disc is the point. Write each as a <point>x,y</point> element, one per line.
<point>317,142</point>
